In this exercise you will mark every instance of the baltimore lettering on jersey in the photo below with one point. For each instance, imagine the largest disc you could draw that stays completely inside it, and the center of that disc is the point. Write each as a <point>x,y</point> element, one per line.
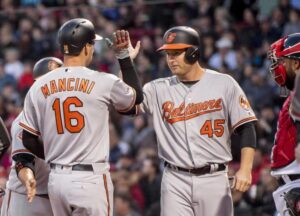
<point>67,84</point>
<point>175,114</point>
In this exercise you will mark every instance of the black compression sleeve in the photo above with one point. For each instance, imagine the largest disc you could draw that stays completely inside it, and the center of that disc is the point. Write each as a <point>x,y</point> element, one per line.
<point>23,160</point>
<point>32,143</point>
<point>130,78</point>
<point>247,134</point>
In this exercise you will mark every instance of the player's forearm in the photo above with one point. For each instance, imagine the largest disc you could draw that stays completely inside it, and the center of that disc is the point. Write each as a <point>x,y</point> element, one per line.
<point>130,78</point>
<point>24,160</point>
<point>247,157</point>
<point>25,174</point>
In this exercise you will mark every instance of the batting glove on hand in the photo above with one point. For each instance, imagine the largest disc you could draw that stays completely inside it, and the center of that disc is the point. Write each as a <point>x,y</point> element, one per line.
<point>121,43</point>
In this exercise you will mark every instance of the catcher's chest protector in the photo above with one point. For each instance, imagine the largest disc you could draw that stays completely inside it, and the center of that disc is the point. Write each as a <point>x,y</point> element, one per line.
<point>285,138</point>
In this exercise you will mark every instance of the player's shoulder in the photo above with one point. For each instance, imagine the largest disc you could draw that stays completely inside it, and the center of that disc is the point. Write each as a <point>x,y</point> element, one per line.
<point>166,81</point>
<point>101,74</point>
<point>220,77</point>
<point>216,74</point>
<point>16,121</point>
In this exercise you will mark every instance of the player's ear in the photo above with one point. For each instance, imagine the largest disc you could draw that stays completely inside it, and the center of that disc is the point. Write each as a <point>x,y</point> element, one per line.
<point>295,65</point>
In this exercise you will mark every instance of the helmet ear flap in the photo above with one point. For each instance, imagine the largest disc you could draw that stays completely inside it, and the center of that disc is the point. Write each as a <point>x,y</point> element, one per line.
<point>192,54</point>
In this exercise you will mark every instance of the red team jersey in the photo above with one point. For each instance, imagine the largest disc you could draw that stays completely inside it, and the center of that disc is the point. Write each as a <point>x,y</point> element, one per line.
<point>283,152</point>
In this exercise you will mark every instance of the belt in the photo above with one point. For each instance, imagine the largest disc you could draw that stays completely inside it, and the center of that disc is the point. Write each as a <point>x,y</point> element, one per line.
<point>198,171</point>
<point>76,167</point>
<point>46,196</point>
<point>292,177</point>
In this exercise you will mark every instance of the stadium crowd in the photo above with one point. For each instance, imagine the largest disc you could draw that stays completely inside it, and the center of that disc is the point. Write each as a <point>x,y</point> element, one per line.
<point>235,37</point>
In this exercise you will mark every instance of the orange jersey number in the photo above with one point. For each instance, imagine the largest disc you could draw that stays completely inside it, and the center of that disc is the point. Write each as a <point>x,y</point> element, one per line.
<point>216,128</point>
<point>68,115</point>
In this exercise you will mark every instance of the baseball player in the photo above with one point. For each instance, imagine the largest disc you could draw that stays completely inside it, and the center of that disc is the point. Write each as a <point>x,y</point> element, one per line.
<point>4,145</point>
<point>26,168</point>
<point>69,109</point>
<point>295,112</point>
<point>194,113</point>
<point>4,138</point>
<point>285,57</point>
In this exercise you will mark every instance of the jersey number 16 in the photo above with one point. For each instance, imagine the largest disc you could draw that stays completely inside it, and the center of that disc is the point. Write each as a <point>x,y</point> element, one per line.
<point>66,116</point>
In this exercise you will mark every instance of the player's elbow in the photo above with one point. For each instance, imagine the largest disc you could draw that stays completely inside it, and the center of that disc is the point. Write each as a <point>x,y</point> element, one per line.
<point>31,142</point>
<point>139,97</point>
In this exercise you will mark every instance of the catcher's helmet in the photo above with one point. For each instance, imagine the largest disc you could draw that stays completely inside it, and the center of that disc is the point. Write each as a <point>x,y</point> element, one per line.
<point>183,37</point>
<point>286,47</point>
<point>43,66</point>
<point>74,34</point>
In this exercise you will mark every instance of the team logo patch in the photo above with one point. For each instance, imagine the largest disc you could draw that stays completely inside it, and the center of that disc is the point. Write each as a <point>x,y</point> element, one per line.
<point>19,135</point>
<point>244,103</point>
<point>171,37</point>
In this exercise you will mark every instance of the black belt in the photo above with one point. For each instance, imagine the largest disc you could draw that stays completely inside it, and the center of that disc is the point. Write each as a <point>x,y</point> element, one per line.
<point>198,171</point>
<point>292,177</point>
<point>76,167</point>
<point>46,196</point>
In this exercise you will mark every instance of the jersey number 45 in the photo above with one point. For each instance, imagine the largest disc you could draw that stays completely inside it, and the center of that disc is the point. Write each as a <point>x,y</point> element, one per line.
<point>210,128</point>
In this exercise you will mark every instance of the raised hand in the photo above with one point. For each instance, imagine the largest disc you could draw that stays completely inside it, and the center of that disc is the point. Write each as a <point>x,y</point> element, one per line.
<point>133,52</point>
<point>121,43</point>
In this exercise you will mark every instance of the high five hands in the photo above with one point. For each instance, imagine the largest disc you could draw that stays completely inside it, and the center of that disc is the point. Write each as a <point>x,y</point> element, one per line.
<point>122,45</point>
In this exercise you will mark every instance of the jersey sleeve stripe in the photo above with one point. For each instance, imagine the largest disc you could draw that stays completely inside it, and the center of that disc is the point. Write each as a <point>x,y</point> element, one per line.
<point>132,102</point>
<point>243,121</point>
<point>29,129</point>
<point>21,151</point>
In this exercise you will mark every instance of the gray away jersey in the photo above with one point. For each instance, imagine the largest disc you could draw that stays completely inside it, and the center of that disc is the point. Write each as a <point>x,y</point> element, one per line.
<point>41,168</point>
<point>69,108</point>
<point>194,125</point>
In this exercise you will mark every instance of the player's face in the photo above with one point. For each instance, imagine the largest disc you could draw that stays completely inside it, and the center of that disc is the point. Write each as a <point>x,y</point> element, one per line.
<point>289,65</point>
<point>176,62</point>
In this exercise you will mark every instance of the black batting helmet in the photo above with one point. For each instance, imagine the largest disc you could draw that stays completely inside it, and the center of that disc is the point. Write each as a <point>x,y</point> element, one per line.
<point>182,37</point>
<point>43,66</point>
<point>74,34</point>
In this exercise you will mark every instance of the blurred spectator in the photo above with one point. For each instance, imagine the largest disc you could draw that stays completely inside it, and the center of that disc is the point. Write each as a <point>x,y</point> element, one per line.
<point>260,162</point>
<point>13,65</point>
<point>127,182</point>
<point>123,205</point>
<point>117,147</point>
<point>150,181</point>
<point>293,26</point>
<point>225,55</point>
<point>5,79</point>
<point>25,80</point>
<point>260,196</point>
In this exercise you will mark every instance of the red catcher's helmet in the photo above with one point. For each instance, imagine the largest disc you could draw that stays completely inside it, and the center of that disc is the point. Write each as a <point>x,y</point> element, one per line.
<point>286,47</point>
